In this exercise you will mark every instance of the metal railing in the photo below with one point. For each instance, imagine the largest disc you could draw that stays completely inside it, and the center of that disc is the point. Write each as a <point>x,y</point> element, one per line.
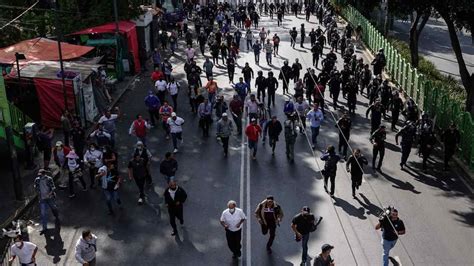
<point>430,97</point>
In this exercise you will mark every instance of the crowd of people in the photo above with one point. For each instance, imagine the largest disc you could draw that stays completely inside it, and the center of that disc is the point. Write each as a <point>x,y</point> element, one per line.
<point>218,31</point>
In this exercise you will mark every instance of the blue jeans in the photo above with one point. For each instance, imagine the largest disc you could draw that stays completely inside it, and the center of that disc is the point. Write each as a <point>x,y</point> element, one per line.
<point>44,204</point>
<point>253,145</point>
<point>387,246</point>
<point>304,244</point>
<point>314,135</point>
<point>111,195</point>
<point>269,58</point>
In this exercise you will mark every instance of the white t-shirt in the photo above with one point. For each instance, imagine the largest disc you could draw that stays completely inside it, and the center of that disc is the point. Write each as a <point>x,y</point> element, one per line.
<point>175,125</point>
<point>160,85</point>
<point>190,53</point>
<point>233,219</point>
<point>252,106</point>
<point>24,254</point>
<point>173,88</point>
<point>108,123</point>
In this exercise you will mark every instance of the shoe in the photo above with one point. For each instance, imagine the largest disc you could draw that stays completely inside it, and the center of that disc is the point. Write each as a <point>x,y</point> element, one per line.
<point>354,196</point>
<point>273,153</point>
<point>167,137</point>
<point>325,189</point>
<point>175,150</point>
<point>332,195</point>
<point>174,233</point>
<point>84,189</point>
<point>234,256</point>
<point>401,166</point>
<point>254,158</point>
<point>72,196</point>
<point>182,141</point>
<point>140,201</point>
<point>269,250</point>
<point>42,232</point>
<point>313,147</point>
<point>62,186</point>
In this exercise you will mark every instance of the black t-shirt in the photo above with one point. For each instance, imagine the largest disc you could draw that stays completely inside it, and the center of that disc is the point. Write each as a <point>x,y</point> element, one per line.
<point>138,168</point>
<point>303,223</point>
<point>388,232</point>
<point>320,261</point>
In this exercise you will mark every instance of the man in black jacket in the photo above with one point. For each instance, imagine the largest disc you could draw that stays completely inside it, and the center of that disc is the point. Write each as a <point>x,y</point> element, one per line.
<point>269,215</point>
<point>169,166</point>
<point>174,198</point>
<point>274,129</point>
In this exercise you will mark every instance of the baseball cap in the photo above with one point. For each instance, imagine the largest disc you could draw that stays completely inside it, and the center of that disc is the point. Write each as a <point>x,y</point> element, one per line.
<point>326,247</point>
<point>59,143</point>
<point>224,114</point>
<point>173,114</point>
<point>306,209</point>
<point>253,120</point>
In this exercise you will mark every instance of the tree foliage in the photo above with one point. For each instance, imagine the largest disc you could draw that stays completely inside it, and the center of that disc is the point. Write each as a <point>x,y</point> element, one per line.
<point>73,15</point>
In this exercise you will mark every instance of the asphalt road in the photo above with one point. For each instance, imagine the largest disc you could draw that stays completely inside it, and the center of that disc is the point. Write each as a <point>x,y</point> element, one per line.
<point>436,207</point>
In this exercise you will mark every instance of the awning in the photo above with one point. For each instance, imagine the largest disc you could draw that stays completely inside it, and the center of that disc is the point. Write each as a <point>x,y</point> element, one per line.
<point>42,49</point>
<point>51,69</point>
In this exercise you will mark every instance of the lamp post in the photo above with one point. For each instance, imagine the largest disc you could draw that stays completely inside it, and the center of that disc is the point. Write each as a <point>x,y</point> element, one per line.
<point>59,38</point>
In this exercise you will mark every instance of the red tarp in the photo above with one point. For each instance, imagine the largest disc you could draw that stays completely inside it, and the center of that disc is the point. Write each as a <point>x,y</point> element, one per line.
<point>125,27</point>
<point>42,49</point>
<point>51,99</point>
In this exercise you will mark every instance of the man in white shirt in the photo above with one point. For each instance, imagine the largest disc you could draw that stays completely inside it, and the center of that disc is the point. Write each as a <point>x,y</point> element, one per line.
<point>190,53</point>
<point>251,106</point>
<point>175,124</point>
<point>24,250</point>
<point>160,89</point>
<point>108,122</point>
<point>232,219</point>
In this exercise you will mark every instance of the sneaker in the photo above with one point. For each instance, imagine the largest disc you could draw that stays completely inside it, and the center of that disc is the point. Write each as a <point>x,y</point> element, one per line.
<point>182,141</point>
<point>84,189</point>
<point>175,150</point>
<point>140,201</point>
<point>72,196</point>
<point>62,186</point>
<point>167,137</point>
<point>174,233</point>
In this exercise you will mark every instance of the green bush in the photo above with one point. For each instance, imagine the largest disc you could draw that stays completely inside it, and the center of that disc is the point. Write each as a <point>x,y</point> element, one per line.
<point>427,68</point>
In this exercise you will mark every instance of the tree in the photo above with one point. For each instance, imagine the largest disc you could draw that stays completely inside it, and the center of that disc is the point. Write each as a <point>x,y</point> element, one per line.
<point>454,14</point>
<point>419,12</point>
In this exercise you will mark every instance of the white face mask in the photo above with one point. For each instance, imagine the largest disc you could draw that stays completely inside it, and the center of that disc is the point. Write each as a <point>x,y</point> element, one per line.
<point>92,149</point>
<point>18,244</point>
<point>232,210</point>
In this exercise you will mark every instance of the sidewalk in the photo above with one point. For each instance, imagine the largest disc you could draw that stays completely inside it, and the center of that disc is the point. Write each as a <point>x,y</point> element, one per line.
<point>13,209</point>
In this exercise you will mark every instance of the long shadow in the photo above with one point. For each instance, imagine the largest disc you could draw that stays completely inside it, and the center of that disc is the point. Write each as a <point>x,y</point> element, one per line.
<point>349,208</point>
<point>371,208</point>
<point>400,184</point>
<point>465,217</point>
<point>54,244</point>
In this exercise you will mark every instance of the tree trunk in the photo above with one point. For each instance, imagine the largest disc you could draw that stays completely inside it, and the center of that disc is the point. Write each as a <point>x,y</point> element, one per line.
<point>413,40</point>
<point>386,20</point>
<point>466,78</point>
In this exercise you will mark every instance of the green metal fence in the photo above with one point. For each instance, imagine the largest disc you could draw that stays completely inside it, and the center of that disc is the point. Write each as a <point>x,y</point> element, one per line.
<point>429,97</point>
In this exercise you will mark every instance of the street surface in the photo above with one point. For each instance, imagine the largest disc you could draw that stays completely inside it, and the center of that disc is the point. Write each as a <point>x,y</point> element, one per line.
<point>437,208</point>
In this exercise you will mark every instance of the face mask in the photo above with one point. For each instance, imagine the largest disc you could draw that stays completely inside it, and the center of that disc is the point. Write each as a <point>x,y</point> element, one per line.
<point>232,210</point>
<point>173,188</point>
<point>92,149</point>
<point>18,244</point>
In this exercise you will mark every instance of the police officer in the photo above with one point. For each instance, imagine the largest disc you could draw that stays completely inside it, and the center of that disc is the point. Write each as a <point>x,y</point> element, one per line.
<point>272,86</point>
<point>408,133</point>
<point>355,165</point>
<point>285,75</point>
<point>397,105</point>
<point>330,167</point>
<point>451,139</point>
<point>376,110</point>
<point>378,141</point>
<point>344,125</point>
<point>261,85</point>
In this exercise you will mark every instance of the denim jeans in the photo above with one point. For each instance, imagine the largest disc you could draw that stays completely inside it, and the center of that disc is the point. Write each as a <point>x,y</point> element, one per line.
<point>175,136</point>
<point>111,195</point>
<point>304,244</point>
<point>253,146</point>
<point>44,204</point>
<point>314,135</point>
<point>387,245</point>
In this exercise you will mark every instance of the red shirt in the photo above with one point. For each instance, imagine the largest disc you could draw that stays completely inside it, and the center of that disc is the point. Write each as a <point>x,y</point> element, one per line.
<point>253,132</point>
<point>156,75</point>
<point>140,128</point>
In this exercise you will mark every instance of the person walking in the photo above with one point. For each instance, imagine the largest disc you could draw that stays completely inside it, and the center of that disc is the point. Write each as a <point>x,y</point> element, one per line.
<point>269,214</point>
<point>60,151</point>
<point>276,44</point>
<point>274,129</point>
<point>173,89</point>
<point>144,153</point>
<point>392,227</point>
<point>224,131</point>
<point>139,128</point>
<point>175,197</point>
<point>232,220</point>
<point>257,48</point>
<point>324,258</point>
<point>93,160</point>
<point>344,125</point>
<point>451,139</point>
<point>315,117</point>
<point>376,110</point>
<point>153,105</point>
<point>169,166</point>
<point>109,179</point>
<point>330,167</point>
<point>212,89</point>
<point>378,141</point>
<point>247,72</point>
<point>44,186</point>
<point>272,86</point>
<point>261,85</point>
<point>268,52</point>
<point>236,109</point>
<point>253,132</point>
<point>290,138</point>
<point>208,66</point>
<point>86,248</point>
<point>137,170</point>
<point>175,124</point>
<point>302,225</point>
<point>355,166</point>
<point>165,113</point>
<point>74,171</point>
<point>205,112</point>
<point>24,250</point>
<point>408,133</point>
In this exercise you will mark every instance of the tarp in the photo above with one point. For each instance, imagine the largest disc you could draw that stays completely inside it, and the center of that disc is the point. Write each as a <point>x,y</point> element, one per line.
<point>52,69</point>
<point>42,49</point>
<point>51,99</point>
<point>125,27</point>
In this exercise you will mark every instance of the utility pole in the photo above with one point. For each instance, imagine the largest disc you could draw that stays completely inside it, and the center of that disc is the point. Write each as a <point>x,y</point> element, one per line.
<point>59,38</point>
